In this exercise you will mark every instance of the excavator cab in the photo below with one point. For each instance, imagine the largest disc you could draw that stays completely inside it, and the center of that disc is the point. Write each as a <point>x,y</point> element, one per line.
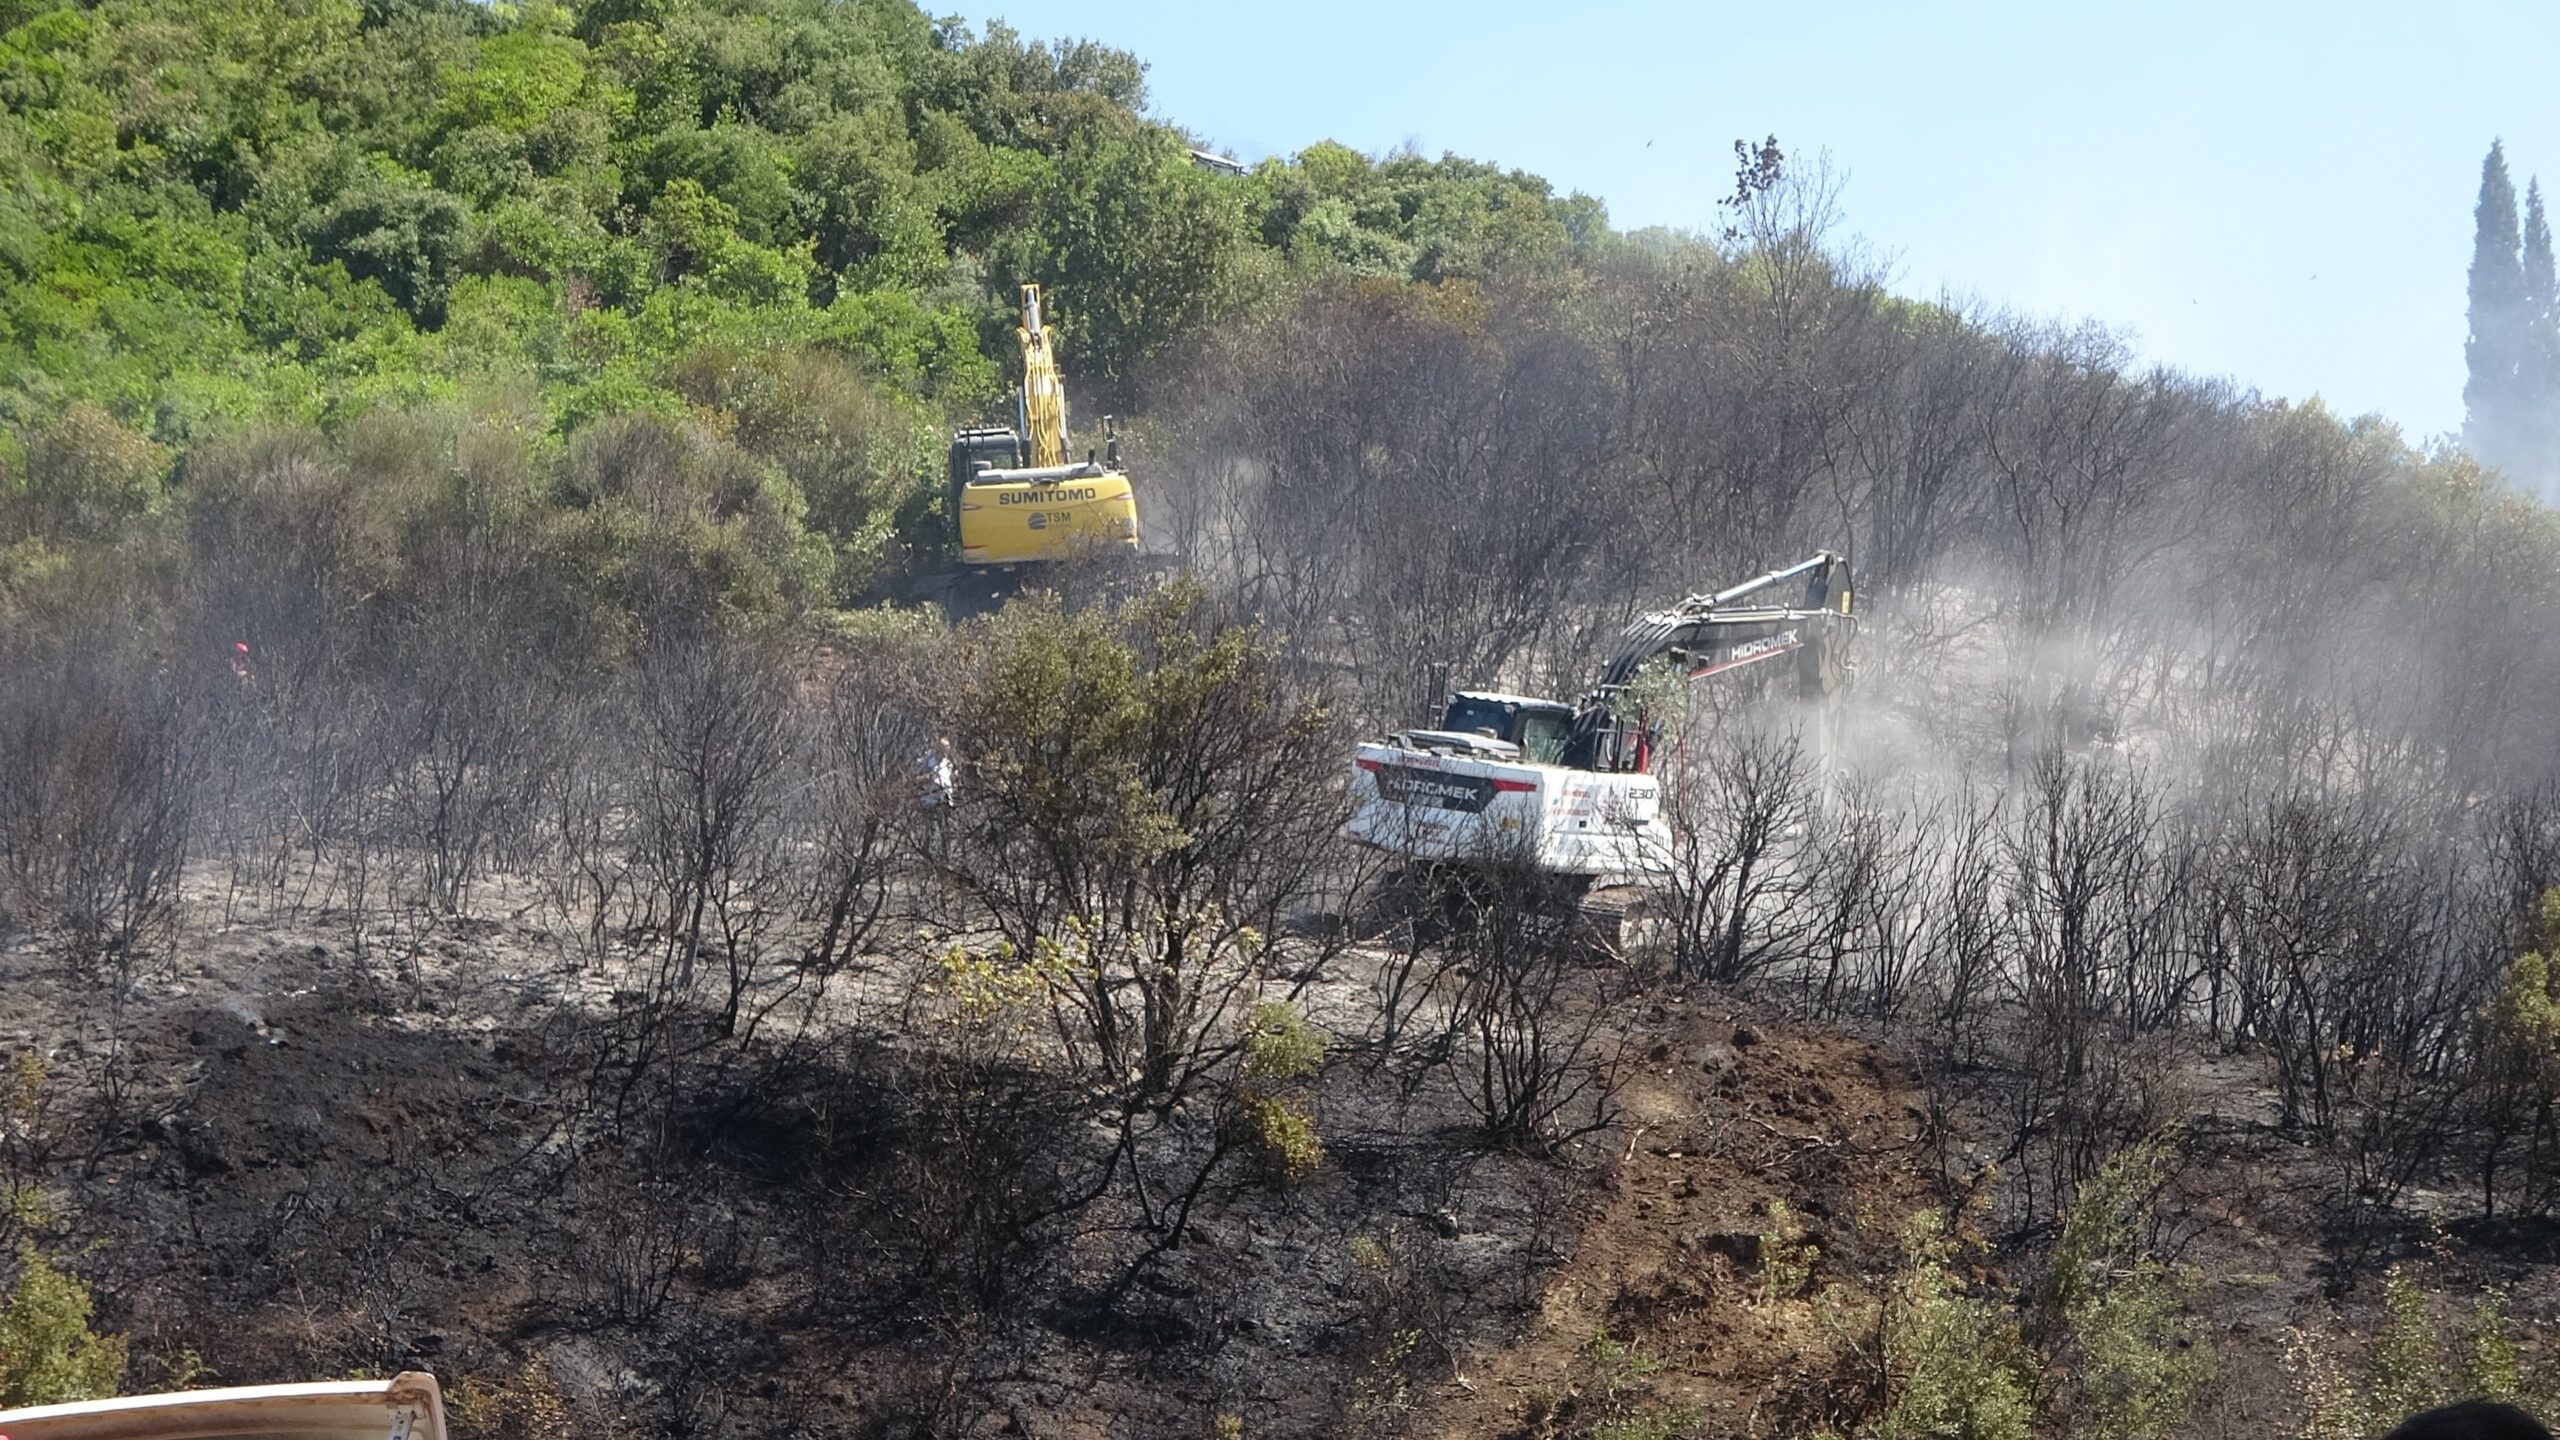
<point>1609,743</point>
<point>978,449</point>
<point>1539,728</point>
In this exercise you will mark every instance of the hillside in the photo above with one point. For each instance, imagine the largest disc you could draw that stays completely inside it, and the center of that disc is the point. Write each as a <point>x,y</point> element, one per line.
<point>475,891</point>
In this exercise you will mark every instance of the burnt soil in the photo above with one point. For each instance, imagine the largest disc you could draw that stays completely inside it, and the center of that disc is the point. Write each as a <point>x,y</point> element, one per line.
<point>322,1163</point>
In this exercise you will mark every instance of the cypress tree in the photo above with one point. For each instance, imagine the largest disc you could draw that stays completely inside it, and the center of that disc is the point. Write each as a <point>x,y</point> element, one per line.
<point>2537,465</point>
<point>2498,330</point>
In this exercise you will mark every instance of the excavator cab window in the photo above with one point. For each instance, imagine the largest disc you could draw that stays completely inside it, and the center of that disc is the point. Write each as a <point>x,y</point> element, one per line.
<point>986,448</point>
<point>975,449</point>
<point>1543,736</point>
<point>1474,715</point>
<point>1541,728</point>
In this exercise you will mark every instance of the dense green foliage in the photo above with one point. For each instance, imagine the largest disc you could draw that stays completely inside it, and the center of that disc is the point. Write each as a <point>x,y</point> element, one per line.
<point>2101,1347</point>
<point>297,213</point>
<point>2423,1348</point>
<point>308,211</point>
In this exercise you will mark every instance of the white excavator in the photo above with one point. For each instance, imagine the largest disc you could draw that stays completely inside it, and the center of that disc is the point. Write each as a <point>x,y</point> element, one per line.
<point>1569,790</point>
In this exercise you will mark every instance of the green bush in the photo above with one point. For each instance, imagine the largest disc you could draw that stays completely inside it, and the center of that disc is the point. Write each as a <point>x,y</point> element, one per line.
<point>2495,1367</point>
<point>2405,1369</point>
<point>1619,1385</point>
<point>527,1405</point>
<point>1282,1137</point>
<point>1786,1257</point>
<point>1280,1046</point>
<point>2110,1317</point>
<point>1280,1049</point>
<point>48,1355</point>
<point>1393,1331</point>
<point>1957,1367</point>
<point>2414,1358</point>
<point>85,474</point>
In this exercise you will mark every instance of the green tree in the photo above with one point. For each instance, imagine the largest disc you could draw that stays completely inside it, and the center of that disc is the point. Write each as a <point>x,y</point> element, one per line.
<point>518,79</point>
<point>696,235</point>
<point>873,214</point>
<point>2519,1074</point>
<point>85,474</point>
<point>2109,1317</point>
<point>1281,1052</point>
<point>393,227</point>
<point>2495,406</point>
<point>855,454</point>
<point>1954,1362</point>
<point>2538,363</point>
<point>1135,243</point>
<point>742,166</point>
<point>1132,811</point>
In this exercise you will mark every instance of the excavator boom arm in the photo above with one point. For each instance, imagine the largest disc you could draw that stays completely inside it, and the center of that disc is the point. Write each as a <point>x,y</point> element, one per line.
<point>1707,628</point>
<point>1712,634</point>
<point>1498,780</point>
<point>1044,393</point>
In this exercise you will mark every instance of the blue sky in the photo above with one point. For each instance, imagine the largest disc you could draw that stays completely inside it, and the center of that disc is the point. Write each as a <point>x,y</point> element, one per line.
<point>2279,193</point>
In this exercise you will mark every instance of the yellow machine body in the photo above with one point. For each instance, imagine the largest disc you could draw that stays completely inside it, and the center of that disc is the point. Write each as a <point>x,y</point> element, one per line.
<point>1047,514</point>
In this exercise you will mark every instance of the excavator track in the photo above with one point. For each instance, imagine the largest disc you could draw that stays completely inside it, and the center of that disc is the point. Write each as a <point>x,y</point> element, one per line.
<point>1618,921</point>
<point>1625,920</point>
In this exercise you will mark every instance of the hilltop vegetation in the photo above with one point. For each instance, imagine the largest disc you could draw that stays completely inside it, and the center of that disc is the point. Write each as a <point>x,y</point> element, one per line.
<point>302,213</point>
<point>473,893</point>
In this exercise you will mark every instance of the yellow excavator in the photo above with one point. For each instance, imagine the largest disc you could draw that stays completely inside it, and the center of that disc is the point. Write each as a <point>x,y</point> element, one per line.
<point>1015,498</point>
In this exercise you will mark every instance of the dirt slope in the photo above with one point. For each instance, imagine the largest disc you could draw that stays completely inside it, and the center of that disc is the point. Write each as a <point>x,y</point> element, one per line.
<point>1732,1109</point>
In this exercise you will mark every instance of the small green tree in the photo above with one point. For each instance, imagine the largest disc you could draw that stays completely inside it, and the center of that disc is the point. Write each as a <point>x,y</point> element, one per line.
<point>1134,815</point>
<point>87,474</point>
<point>1137,243</point>
<point>48,1354</point>
<point>1787,1258</point>
<point>2519,1070</point>
<point>2412,1360</point>
<point>24,1206</point>
<point>527,1405</point>
<point>390,225</point>
<point>2405,1368</point>
<point>2494,1368</point>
